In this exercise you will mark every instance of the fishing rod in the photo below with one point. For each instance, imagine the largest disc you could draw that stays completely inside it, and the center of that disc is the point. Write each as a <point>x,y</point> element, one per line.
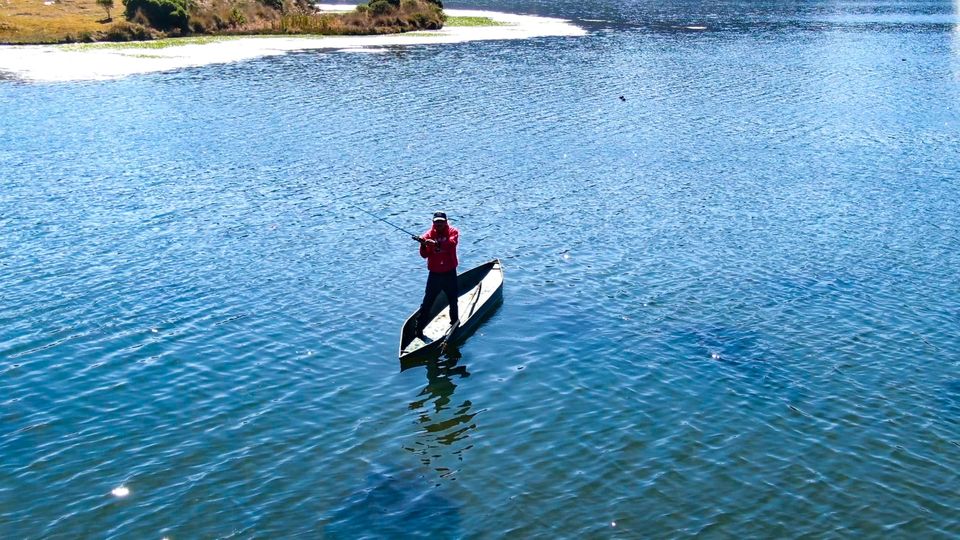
<point>401,229</point>
<point>371,214</point>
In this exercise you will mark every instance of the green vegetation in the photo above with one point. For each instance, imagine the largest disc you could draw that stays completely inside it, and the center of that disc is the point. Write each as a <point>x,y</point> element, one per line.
<point>166,43</point>
<point>163,15</point>
<point>70,21</point>
<point>473,21</point>
<point>154,44</point>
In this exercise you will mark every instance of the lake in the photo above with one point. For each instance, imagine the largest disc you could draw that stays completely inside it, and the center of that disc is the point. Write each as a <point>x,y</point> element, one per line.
<point>730,302</point>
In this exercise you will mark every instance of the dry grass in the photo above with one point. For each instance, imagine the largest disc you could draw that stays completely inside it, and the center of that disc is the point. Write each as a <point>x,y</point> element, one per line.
<point>30,21</point>
<point>228,16</point>
<point>412,15</point>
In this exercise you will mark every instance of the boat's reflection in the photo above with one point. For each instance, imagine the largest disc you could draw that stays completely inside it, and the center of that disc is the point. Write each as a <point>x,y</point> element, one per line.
<point>444,429</point>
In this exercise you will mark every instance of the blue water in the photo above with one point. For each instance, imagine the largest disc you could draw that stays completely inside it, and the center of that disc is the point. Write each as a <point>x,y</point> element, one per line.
<point>731,305</point>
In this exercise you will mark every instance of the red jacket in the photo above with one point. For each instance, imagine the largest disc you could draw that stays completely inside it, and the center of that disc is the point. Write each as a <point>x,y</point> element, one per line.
<point>443,256</point>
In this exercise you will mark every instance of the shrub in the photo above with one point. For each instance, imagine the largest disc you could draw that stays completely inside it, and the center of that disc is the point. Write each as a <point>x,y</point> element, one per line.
<point>422,22</point>
<point>381,7</point>
<point>162,14</point>
<point>237,18</point>
<point>127,31</point>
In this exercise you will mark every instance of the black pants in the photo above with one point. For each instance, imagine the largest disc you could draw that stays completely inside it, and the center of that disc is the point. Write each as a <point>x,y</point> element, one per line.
<point>437,282</point>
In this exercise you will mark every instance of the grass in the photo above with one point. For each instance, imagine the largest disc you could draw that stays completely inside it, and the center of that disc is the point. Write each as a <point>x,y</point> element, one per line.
<point>473,21</point>
<point>30,21</point>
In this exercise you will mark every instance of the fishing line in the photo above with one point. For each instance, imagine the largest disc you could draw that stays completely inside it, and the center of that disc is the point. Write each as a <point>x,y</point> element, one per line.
<point>309,187</point>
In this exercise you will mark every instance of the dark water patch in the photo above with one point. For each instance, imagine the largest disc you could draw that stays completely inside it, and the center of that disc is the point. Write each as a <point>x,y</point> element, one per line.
<point>407,507</point>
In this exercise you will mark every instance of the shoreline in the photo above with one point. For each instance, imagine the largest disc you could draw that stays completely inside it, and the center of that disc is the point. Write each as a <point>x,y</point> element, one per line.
<point>108,60</point>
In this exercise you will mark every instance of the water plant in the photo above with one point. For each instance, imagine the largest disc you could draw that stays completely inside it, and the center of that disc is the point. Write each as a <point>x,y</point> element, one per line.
<point>473,21</point>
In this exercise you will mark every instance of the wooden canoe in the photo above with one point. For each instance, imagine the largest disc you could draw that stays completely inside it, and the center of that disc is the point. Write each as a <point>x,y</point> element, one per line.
<point>479,289</point>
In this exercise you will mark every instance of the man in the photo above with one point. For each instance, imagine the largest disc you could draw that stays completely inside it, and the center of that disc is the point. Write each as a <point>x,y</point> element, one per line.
<point>439,247</point>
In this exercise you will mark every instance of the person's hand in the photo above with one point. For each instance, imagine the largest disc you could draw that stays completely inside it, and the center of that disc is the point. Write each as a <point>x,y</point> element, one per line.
<point>430,242</point>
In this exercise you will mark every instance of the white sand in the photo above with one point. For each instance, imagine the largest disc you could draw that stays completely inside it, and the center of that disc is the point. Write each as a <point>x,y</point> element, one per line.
<point>70,63</point>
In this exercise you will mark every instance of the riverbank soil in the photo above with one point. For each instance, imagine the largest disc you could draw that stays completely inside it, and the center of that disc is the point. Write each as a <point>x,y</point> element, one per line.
<point>48,21</point>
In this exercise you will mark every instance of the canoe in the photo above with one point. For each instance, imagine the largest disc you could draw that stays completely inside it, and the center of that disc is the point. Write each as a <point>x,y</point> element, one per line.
<point>479,290</point>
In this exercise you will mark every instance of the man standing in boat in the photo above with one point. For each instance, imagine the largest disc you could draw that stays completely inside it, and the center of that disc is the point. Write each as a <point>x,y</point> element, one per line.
<point>439,247</point>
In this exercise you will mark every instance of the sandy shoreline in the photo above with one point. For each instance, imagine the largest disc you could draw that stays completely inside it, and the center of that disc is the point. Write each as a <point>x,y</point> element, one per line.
<point>49,63</point>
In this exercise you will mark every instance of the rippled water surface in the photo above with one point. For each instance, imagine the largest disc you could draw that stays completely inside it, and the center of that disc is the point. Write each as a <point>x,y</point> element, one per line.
<point>731,303</point>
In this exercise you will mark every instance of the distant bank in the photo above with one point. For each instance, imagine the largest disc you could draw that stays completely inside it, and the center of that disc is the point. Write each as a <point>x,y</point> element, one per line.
<point>91,61</point>
<point>87,21</point>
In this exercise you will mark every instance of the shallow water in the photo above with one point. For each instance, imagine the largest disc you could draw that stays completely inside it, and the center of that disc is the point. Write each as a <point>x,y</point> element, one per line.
<point>730,304</point>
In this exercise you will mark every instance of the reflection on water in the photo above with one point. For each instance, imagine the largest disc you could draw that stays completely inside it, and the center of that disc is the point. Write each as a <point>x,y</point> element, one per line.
<point>444,428</point>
